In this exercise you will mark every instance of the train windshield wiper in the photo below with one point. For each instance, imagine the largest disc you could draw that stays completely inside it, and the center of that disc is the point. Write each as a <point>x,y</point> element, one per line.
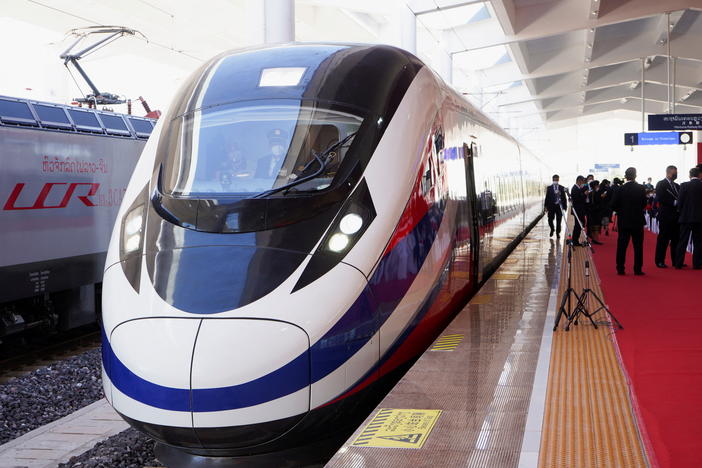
<point>320,158</point>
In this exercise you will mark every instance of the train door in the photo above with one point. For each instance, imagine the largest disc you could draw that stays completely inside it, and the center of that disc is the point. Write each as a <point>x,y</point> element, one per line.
<point>469,152</point>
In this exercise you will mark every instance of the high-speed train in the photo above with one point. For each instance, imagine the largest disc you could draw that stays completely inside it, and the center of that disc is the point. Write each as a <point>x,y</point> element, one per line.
<point>303,221</point>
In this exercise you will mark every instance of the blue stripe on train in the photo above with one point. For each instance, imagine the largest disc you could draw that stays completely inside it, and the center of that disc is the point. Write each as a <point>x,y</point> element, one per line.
<point>339,344</point>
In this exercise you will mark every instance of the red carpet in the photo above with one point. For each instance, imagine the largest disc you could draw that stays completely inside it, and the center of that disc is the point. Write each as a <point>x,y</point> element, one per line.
<point>661,346</point>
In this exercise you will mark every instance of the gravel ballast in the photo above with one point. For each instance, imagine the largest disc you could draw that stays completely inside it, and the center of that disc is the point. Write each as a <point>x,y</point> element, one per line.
<point>128,449</point>
<point>49,393</point>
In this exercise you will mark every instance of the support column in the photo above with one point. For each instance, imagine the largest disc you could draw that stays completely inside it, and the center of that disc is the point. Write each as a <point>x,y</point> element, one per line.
<point>446,60</point>
<point>409,28</point>
<point>643,94</point>
<point>255,23</point>
<point>279,21</point>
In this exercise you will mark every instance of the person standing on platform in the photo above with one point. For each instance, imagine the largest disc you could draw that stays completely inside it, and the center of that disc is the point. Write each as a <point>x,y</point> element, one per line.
<point>606,197</point>
<point>616,185</point>
<point>629,203</point>
<point>668,229</point>
<point>594,213</point>
<point>690,205</point>
<point>578,206</point>
<point>554,203</point>
<point>648,185</point>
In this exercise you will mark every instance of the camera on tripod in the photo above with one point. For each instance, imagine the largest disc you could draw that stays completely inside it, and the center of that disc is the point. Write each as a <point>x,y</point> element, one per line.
<point>582,300</point>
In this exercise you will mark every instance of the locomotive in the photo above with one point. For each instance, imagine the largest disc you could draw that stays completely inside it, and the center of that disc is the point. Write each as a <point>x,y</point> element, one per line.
<point>64,172</point>
<point>304,221</point>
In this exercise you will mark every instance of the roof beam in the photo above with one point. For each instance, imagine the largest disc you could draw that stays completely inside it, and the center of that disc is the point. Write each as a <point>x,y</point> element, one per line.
<point>685,47</point>
<point>447,7</point>
<point>555,18</point>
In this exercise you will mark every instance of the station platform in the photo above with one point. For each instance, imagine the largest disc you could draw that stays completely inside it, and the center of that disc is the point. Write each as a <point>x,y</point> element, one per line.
<point>57,442</point>
<point>500,388</point>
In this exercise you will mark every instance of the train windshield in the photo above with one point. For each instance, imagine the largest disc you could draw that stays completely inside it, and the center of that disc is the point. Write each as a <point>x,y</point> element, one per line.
<point>257,149</point>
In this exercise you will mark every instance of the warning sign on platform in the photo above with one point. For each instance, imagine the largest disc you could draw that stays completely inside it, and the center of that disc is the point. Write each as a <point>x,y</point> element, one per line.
<point>398,428</point>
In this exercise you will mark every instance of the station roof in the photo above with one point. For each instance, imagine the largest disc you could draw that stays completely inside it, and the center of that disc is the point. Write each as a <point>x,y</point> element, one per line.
<point>555,60</point>
<point>527,63</point>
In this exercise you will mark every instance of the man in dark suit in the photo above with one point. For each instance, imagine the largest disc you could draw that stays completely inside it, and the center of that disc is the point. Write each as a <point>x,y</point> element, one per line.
<point>554,203</point>
<point>578,202</point>
<point>270,165</point>
<point>629,203</point>
<point>668,228</point>
<point>690,204</point>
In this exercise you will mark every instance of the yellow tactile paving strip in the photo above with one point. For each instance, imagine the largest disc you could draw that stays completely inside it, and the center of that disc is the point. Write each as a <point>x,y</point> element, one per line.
<point>588,418</point>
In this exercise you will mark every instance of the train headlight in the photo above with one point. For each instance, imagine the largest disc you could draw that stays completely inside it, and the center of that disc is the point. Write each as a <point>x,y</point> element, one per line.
<point>131,242</point>
<point>133,227</point>
<point>133,223</point>
<point>351,223</point>
<point>338,242</point>
<point>355,216</point>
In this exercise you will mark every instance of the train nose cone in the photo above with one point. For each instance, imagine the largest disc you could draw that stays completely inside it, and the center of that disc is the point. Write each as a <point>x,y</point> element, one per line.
<point>212,384</point>
<point>250,381</point>
<point>147,367</point>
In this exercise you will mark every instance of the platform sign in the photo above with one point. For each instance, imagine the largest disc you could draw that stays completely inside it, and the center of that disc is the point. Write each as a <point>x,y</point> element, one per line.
<point>675,122</point>
<point>604,167</point>
<point>398,428</point>
<point>658,138</point>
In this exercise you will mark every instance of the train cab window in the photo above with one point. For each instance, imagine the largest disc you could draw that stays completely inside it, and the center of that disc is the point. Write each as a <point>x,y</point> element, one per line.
<point>142,127</point>
<point>53,117</point>
<point>85,121</point>
<point>114,124</point>
<point>259,149</point>
<point>17,113</point>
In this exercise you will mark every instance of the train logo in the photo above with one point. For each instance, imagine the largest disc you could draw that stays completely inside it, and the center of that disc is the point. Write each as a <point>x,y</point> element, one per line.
<point>48,189</point>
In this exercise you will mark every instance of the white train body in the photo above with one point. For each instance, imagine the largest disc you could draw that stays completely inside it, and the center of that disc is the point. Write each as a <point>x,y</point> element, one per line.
<point>254,300</point>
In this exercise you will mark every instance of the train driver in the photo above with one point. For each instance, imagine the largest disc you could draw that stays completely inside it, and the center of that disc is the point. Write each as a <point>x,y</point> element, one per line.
<point>270,165</point>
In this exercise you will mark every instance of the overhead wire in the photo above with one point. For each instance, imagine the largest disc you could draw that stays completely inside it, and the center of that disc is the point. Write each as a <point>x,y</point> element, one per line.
<point>82,18</point>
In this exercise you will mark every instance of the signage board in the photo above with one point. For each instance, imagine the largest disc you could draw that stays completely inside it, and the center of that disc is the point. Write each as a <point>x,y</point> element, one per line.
<point>658,138</point>
<point>607,166</point>
<point>675,122</point>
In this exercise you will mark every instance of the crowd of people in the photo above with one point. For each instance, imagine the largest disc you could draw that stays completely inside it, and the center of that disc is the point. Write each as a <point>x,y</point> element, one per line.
<point>624,205</point>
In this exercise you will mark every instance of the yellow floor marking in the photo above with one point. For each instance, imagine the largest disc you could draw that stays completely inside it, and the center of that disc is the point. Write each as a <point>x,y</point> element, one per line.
<point>444,348</point>
<point>505,276</point>
<point>481,299</point>
<point>447,342</point>
<point>398,428</point>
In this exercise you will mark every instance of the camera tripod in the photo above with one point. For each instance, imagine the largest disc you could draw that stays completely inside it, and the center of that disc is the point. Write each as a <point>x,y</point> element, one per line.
<point>582,300</point>
<point>565,307</point>
<point>582,307</point>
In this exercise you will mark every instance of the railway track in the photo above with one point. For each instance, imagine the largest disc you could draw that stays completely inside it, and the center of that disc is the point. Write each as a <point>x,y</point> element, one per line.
<point>45,354</point>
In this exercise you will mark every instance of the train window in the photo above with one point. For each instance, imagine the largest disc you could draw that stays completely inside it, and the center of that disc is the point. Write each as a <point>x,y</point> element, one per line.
<point>426,179</point>
<point>85,121</point>
<point>142,127</point>
<point>53,117</point>
<point>114,124</point>
<point>251,148</point>
<point>16,112</point>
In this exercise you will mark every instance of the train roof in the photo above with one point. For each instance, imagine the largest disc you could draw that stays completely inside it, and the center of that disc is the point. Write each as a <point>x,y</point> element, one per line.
<point>372,78</point>
<point>39,115</point>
